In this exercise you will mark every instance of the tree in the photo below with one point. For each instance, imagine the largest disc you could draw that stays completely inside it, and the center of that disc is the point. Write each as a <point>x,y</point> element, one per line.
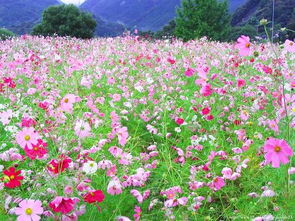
<point>167,32</point>
<point>237,31</point>
<point>66,20</point>
<point>5,34</point>
<point>198,18</point>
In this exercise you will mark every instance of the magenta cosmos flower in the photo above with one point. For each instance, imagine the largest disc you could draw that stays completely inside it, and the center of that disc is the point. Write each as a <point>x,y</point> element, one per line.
<point>27,137</point>
<point>243,44</point>
<point>29,210</point>
<point>62,204</point>
<point>277,151</point>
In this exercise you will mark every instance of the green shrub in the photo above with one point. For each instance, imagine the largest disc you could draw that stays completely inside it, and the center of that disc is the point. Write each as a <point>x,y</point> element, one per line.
<point>5,34</point>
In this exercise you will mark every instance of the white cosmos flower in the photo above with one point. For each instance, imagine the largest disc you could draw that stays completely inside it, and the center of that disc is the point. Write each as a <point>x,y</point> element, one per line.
<point>177,129</point>
<point>89,167</point>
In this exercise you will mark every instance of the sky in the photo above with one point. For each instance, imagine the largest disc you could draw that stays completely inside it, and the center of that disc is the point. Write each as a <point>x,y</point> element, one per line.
<point>73,1</point>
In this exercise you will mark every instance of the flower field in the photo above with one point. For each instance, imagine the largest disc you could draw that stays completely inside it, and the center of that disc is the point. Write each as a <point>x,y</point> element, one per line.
<point>127,129</point>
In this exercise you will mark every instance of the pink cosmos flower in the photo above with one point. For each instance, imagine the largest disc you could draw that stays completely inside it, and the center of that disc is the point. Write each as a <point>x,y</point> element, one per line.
<point>116,97</point>
<point>29,210</point>
<point>122,135</point>
<point>289,46</point>
<point>244,115</point>
<point>243,44</point>
<point>268,193</point>
<point>115,151</point>
<point>206,90</point>
<point>62,204</point>
<point>227,173</point>
<point>179,121</point>
<point>189,72</point>
<point>67,102</point>
<point>137,214</point>
<point>206,110</point>
<point>28,122</point>
<point>175,202</point>
<point>277,151</point>
<point>196,185</point>
<point>6,116</point>
<point>241,82</point>
<point>27,137</point>
<point>82,129</point>
<point>114,187</point>
<point>217,183</point>
<point>122,218</point>
<point>273,125</point>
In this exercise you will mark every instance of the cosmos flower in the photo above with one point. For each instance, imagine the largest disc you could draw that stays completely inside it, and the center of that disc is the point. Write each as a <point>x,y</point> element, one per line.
<point>114,187</point>
<point>67,102</point>
<point>29,210</point>
<point>6,116</point>
<point>206,90</point>
<point>38,150</point>
<point>217,183</point>
<point>179,121</point>
<point>189,72</point>
<point>58,166</point>
<point>27,137</point>
<point>277,151</point>
<point>94,196</point>
<point>11,178</point>
<point>122,135</point>
<point>244,45</point>
<point>82,129</point>
<point>289,46</point>
<point>90,167</point>
<point>137,214</point>
<point>62,205</point>
<point>241,83</point>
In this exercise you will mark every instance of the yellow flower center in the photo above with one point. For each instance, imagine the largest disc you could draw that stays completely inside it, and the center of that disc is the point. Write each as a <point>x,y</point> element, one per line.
<point>66,100</point>
<point>291,43</point>
<point>11,177</point>
<point>27,137</point>
<point>91,164</point>
<point>247,45</point>
<point>29,211</point>
<point>35,148</point>
<point>293,109</point>
<point>92,194</point>
<point>170,195</point>
<point>277,149</point>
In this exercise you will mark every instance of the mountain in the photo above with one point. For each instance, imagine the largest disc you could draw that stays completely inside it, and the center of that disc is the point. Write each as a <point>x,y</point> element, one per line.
<point>255,10</point>
<point>142,14</point>
<point>20,16</point>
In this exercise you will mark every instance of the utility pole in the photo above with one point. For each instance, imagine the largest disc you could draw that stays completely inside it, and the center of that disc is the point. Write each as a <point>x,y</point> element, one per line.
<point>273,19</point>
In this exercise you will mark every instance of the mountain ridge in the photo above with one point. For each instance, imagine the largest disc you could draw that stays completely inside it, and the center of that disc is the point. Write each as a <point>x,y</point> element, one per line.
<point>142,14</point>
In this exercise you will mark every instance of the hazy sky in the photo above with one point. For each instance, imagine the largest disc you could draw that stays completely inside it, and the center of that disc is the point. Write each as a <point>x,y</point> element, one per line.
<point>73,1</point>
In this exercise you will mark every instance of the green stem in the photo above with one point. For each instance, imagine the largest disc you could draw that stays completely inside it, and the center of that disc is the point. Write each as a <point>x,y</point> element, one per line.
<point>285,108</point>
